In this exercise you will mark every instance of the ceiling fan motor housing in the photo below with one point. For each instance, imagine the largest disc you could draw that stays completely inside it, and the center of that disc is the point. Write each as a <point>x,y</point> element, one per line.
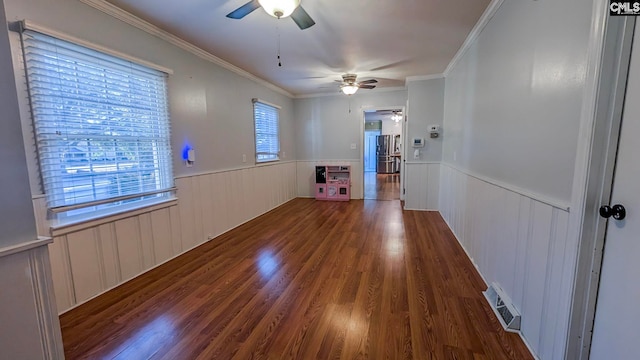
<point>349,78</point>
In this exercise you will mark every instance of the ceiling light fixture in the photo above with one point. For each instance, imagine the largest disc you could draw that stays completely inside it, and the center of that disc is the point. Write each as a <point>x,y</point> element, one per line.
<point>279,8</point>
<point>349,89</point>
<point>396,117</point>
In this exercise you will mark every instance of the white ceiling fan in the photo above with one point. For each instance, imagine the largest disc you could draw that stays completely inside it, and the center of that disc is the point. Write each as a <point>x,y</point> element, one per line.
<point>278,9</point>
<point>349,85</point>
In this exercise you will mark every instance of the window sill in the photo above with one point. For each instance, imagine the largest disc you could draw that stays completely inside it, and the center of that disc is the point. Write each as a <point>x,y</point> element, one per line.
<point>78,225</point>
<point>266,161</point>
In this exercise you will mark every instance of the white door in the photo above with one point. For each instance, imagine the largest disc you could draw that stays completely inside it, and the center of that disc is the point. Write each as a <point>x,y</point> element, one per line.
<point>370,150</point>
<point>616,333</point>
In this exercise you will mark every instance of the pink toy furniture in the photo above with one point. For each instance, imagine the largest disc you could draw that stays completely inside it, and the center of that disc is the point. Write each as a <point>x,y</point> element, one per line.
<point>333,182</point>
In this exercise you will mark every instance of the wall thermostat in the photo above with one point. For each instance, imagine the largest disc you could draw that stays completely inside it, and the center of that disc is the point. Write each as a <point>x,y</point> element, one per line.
<point>417,142</point>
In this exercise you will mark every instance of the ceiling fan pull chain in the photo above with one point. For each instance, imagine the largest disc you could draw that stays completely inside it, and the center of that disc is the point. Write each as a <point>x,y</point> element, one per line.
<point>278,31</point>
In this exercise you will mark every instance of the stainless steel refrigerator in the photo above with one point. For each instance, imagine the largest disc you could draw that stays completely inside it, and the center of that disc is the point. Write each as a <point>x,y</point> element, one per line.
<point>385,162</point>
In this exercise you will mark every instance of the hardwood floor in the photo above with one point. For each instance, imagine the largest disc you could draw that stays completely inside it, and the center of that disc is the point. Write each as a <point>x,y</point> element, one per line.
<point>381,186</point>
<point>308,280</point>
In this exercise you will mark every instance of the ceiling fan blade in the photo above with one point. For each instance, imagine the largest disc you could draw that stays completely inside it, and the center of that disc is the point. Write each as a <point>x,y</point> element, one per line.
<point>302,19</point>
<point>372,81</point>
<point>244,10</point>
<point>367,86</point>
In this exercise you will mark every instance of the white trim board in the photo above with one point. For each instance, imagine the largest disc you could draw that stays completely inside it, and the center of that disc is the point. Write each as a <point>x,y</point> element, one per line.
<point>412,209</point>
<point>272,163</point>
<point>422,78</point>
<point>531,195</point>
<point>473,35</point>
<point>64,229</point>
<point>17,248</point>
<point>422,163</point>
<point>330,161</point>
<point>149,28</point>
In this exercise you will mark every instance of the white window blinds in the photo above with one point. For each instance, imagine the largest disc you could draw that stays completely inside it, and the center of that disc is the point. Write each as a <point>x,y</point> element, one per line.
<point>266,119</point>
<point>101,125</point>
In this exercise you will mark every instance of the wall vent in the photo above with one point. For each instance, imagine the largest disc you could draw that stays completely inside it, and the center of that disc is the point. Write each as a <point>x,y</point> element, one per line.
<point>503,307</point>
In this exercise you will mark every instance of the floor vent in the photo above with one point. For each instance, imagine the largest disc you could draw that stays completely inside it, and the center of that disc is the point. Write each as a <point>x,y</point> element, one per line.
<point>501,304</point>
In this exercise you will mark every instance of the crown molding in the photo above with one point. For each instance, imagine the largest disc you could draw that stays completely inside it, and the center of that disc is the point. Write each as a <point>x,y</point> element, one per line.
<point>473,35</point>
<point>338,93</point>
<point>149,28</point>
<point>423,77</point>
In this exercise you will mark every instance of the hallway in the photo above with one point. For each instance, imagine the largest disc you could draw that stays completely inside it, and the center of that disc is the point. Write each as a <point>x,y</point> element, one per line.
<point>381,186</point>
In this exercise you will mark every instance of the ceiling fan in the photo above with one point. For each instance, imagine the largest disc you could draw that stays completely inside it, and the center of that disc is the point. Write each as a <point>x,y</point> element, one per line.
<point>349,85</point>
<point>276,8</point>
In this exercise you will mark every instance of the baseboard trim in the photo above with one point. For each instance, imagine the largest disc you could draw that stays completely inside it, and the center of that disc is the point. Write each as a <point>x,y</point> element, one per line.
<point>524,340</point>
<point>425,210</point>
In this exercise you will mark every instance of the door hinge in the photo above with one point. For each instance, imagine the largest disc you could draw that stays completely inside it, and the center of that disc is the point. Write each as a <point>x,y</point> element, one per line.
<point>404,191</point>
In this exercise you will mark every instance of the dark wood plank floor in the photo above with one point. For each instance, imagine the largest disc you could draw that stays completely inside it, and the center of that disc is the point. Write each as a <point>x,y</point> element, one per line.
<point>309,280</point>
<point>381,186</point>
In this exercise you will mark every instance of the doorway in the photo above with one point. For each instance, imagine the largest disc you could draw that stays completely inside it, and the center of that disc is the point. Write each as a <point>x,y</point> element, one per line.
<point>382,153</point>
<point>616,310</point>
<point>604,312</point>
<point>370,147</point>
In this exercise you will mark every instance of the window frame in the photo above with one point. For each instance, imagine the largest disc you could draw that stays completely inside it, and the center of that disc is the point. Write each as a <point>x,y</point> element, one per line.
<point>277,109</point>
<point>164,189</point>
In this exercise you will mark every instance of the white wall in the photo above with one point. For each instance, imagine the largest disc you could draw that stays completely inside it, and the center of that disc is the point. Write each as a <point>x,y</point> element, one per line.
<point>425,107</point>
<point>16,214</point>
<point>211,110</point>
<point>512,109</point>
<point>512,102</point>
<point>325,130</point>
<point>390,127</point>
<point>210,107</point>
<point>30,327</point>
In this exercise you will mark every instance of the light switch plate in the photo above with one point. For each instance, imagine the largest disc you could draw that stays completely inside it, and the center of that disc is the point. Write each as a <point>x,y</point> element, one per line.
<point>353,146</point>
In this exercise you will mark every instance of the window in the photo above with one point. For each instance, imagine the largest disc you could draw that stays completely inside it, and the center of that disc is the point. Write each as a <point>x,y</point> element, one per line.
<point>101,127</point>
<point>266,117</point>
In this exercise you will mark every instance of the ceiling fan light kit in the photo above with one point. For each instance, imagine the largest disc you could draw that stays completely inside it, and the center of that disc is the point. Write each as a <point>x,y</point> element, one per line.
<point>349,84</point>
<point>279,8</point>
<point>349,89</point>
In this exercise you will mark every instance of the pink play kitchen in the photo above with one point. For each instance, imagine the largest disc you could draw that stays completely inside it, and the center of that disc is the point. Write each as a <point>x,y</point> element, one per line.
<point>333,182</point>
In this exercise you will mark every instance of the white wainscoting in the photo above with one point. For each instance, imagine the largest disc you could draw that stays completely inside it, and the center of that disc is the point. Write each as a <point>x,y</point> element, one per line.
<point>422,185</point>
<point>306,173</point>
<point>519,242</point>
<point>89,260</point>
<point>30,328</point>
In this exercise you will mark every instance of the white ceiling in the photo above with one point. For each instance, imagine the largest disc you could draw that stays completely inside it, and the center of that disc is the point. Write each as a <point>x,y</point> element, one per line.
<point>387,40</point>
<point>381,115</point>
